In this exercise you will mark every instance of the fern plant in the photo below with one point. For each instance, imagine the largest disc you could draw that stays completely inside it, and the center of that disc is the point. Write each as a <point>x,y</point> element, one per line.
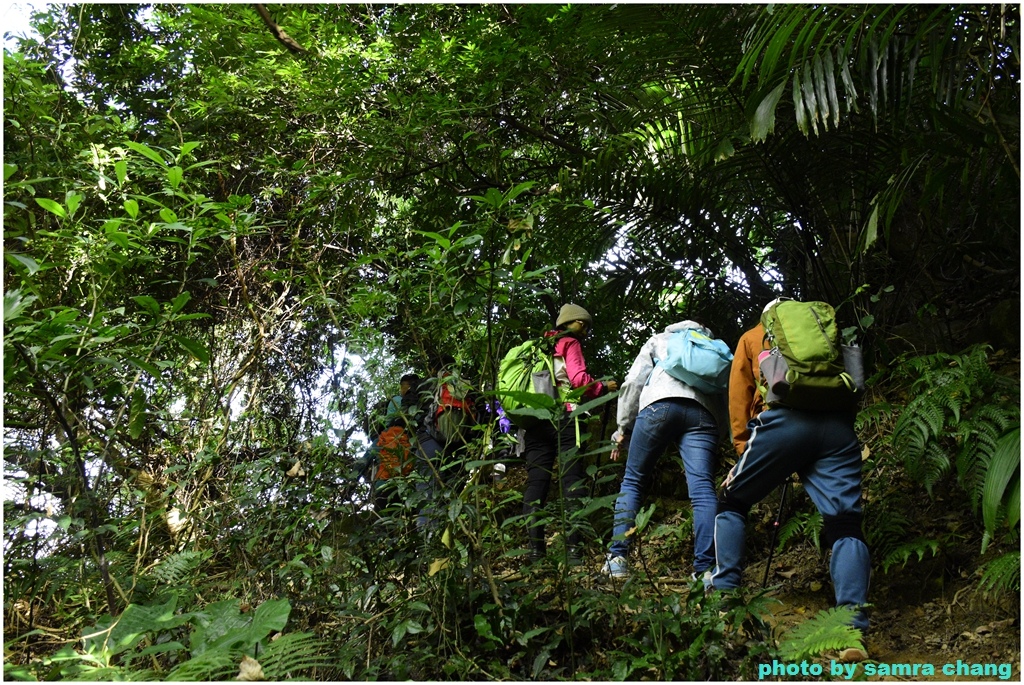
<point>964,417</point>
<point>1001,576</point>
<point>828,630</point>
<point>807,524</point>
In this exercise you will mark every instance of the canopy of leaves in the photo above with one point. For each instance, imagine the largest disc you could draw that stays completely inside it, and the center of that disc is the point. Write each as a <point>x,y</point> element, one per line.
<point>229,229</point>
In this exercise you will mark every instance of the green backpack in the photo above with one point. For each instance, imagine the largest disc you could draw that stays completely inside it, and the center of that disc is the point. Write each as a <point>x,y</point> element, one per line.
<point>806,365</point>
<point>526,382</point>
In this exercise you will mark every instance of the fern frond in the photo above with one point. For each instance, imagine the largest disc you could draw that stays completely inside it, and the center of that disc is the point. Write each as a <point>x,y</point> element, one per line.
<point>921,547</point>
<point>292,655</point>
<point>211,665</point>
<point>177,567</point>
<point>1001,576</point>
<point>828,630</point>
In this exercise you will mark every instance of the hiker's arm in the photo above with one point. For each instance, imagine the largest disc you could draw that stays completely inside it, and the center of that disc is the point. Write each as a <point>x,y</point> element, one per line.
<point>743,395</point>
<point>629,391</point>
<point>571,351</point>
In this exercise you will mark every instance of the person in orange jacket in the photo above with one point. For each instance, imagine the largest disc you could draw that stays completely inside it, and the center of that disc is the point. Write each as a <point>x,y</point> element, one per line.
<point>745,401</point>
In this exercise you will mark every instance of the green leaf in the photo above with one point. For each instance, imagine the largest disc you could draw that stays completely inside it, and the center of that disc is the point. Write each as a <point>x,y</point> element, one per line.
<point>870,232</point>
<point>132,207</point>
<point>150,304</point>
<point>116,636</point>
<point>73,200</point>
<point>1005,463</point>
<point>222,626</point>
<point>9,170</point>
<point>483,627</point>
<point>145,366</point>
<point>30,264</point>
<point>137,420</point>
<point>51,206</point>
<point>763,122</point>
<point>145,151</point>
<point>168,216</point>
<point>174,176</point>
<point>189,147</point>
<point>121,170</point>
<point>643,517</point>
<point>180,301</point>
<point>196,349</point>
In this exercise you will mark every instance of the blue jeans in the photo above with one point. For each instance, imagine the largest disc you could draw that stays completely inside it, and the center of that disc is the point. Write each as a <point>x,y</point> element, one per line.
<point>693,428</point>
<point>822,448</point>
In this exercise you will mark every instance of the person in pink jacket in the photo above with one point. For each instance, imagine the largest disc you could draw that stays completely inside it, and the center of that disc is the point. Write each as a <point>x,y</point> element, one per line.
<point>548,441</point>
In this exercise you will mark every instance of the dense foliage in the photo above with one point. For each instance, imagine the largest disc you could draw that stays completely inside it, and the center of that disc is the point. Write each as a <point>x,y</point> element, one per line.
<point>229,229</point>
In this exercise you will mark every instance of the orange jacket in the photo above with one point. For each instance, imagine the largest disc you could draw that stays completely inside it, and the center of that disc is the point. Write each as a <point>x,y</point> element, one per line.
<point>745,401</point>
<point>395,457</point>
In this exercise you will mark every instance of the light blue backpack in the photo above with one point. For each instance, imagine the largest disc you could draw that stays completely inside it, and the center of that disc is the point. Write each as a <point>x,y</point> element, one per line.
<point>701,362</point>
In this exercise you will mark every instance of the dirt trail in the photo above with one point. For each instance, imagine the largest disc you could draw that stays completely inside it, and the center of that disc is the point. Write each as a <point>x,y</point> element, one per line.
<point>920,616</point>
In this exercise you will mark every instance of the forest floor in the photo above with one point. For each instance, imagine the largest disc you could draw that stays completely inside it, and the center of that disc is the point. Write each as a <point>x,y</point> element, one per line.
<point>920,615</point>
<point>927,611</point>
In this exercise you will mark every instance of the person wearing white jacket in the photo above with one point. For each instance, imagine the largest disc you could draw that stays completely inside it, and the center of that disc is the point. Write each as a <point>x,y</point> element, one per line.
<point>656,410</point>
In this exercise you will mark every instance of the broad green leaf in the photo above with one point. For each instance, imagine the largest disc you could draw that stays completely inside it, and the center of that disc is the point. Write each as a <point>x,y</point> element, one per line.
<point>763,122</point>
<point>189,147</point>
<point>870,231</point>
<point>9,170</point>
<point>445,243</point>
<point>180,301</point>
<point>51,206</point>
<point>196,349</point>
<point>132,207</point>
<point>137,420</point>
<point>174,176</point>
<point>168,216</point>
<point>1004,465</point>
<point>222,626</point>
<point>644,516</point>
<point>132,626</point>
<point>26,261</point>
<point>149,303</point>
<point>121,170</point>
<point>145,366</point>
<point>73,200</point>
<point>145,151</point>
<point>15,303</point>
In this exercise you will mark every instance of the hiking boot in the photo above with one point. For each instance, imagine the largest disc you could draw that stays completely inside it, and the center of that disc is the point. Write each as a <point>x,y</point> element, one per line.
<point>615,567</point>
<point>704,578</point>
<point>853,655</point>
<point>537,551</point>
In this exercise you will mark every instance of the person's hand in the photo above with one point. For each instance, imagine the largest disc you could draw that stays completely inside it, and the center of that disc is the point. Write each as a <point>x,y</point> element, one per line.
<point>728,477</point>
<point>611,385</point>
<point>617,439</point>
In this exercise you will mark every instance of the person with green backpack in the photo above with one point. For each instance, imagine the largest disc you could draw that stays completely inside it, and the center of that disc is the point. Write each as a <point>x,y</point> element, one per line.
<point>807,428</point>
<point>546,441</point>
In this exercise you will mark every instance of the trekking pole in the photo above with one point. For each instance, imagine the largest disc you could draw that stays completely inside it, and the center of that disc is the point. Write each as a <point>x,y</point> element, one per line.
<point>775,534</point>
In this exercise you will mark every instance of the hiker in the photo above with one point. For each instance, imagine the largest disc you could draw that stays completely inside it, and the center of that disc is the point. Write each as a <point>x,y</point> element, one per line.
<point>745,402</point>
<point>656,410</point>
<point>414,417</point>
<point>394,459</point>
<point>454,415</point>
<point>407,382</point>
<point>547,441</point>
<point>822,448</point>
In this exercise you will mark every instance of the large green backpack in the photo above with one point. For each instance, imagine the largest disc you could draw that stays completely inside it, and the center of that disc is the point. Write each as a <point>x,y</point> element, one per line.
<point>805,367</point>
<point>526,382</point>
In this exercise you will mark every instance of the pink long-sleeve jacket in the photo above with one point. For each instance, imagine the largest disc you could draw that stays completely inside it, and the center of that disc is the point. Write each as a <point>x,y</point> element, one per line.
<point>570,350</point>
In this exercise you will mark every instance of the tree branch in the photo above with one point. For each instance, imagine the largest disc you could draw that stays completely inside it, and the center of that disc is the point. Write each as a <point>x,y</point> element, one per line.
<point>278,32</point>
